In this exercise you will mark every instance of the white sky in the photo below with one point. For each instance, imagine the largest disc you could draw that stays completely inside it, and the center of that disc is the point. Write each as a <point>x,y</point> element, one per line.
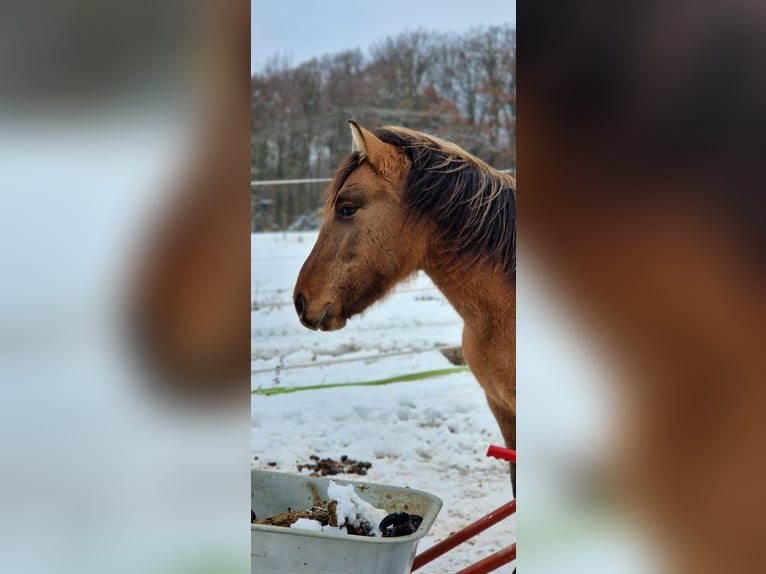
<point>303,29</point>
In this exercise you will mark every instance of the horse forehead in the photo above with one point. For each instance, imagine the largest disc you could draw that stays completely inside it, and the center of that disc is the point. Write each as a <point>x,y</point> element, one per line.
<point>364,178</point>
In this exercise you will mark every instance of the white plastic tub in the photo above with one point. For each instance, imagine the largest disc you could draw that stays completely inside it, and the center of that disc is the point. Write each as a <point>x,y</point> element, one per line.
<point>275,549</point>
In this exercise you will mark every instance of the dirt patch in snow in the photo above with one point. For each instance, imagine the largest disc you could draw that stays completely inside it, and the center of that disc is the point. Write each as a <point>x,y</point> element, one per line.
<point>331,467</point>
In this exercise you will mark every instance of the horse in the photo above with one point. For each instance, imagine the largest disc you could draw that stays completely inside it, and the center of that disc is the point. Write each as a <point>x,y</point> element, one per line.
<point>189,296</point>
<point>404,201</point>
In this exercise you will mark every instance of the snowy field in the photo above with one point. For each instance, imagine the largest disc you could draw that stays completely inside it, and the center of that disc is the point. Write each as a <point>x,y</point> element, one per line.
<point>429,434</point>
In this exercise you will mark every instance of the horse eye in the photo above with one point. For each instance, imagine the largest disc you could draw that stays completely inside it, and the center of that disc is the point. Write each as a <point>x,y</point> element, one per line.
<point>346,211</point>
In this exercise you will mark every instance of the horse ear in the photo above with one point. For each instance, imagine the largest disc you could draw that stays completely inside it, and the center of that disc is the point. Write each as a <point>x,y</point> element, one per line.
<point>357,134</point>
<point>369,146</point>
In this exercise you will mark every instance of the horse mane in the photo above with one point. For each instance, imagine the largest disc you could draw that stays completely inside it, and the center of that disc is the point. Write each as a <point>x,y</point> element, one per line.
<point>472,205</point>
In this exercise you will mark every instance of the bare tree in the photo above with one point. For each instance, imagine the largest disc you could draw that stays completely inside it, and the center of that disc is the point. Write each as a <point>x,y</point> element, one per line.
<point>460,87</point>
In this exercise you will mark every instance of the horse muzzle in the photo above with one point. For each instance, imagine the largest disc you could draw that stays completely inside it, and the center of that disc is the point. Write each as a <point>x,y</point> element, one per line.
<point>323,318</point>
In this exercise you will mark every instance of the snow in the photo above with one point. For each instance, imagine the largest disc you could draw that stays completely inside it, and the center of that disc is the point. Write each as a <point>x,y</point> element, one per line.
<point>316,526</point>
<point>430,434</point>
<point>351,510</point>
<point>307,524</point>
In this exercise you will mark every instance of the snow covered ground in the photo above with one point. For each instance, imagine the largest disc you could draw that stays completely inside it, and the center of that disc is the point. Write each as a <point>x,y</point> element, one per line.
<point>429,434</point>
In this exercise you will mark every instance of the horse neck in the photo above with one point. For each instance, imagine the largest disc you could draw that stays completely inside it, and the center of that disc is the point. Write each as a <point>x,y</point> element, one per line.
<point>481,295</point>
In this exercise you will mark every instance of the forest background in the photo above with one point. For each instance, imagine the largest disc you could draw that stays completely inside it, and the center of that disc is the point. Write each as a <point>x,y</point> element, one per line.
<point>460,87</point>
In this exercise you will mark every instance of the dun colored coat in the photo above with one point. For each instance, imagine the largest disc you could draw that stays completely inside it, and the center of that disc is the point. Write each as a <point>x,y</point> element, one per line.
<point>404,201</point>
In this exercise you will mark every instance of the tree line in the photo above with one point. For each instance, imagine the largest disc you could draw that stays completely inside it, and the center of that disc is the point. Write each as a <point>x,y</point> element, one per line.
<point>461,87</point>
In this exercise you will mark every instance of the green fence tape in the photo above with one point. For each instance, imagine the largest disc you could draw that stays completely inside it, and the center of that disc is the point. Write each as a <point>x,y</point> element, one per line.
<point>394,379</point>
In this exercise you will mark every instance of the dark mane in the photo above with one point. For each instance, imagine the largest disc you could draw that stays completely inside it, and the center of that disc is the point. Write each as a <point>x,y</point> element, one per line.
<point>472,205</point>
<point>341,175</point>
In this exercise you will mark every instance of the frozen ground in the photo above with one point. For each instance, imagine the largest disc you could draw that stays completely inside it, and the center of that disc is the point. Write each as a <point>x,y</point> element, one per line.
<point>429,434</point>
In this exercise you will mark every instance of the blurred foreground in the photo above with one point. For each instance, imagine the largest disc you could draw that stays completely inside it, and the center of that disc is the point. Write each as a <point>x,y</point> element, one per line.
<point>123,189</point>
<point>642,209</point>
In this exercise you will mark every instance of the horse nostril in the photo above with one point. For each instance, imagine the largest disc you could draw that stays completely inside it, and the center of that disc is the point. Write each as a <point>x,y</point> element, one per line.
<point>300,304</point>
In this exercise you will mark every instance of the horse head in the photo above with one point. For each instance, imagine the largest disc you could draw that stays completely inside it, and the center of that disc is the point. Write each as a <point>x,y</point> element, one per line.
<point>365,245</point>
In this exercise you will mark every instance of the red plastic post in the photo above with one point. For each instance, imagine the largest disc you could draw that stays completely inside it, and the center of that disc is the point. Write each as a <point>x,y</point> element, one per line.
<point>500,452</point>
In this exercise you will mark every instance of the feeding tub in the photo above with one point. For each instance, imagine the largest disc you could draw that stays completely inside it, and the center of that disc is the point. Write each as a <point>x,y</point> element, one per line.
<point>288,550</point>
